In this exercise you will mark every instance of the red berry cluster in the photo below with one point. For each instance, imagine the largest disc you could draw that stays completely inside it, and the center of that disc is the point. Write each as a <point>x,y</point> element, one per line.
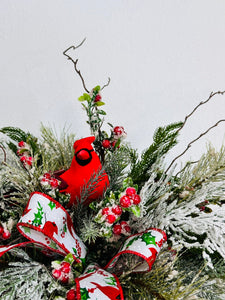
<point>47,179</point>
<point>63,272</point>
<point>24,153</point>
<point>71,295</point>
<point>4,233</point>
<point>111,214</point>
<point>130,198</point>
<point>118,133</point>
<point>122,228</point>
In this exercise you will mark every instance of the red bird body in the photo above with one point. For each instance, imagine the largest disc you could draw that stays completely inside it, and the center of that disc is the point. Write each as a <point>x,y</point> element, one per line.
<point>83,173</point>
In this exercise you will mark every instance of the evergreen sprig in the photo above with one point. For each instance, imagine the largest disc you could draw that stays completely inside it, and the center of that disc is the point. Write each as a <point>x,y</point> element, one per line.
<point>164,139</point>
<point>27,280</point>
<point>16,134</point>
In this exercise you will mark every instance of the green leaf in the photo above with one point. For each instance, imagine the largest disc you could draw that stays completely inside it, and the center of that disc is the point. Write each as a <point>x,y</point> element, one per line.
<point>101,112</point>
<point>69,258</point>
<point>110,124</point>
<point>84,97</point>
<point>127,183</point>
<point>136,211</point>
<point>81,98</point>
<point>97,88</point>
<point>99,103</point>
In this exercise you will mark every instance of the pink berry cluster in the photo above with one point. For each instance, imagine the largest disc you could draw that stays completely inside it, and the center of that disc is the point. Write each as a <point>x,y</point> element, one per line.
<point>48,180</point>
<point>71,294</point>
<point>130,198</point>
<point>24,153</point>
<point>118,133</point>
<point>4,233</point>
<point>63,272</point>
<point>122,228</point>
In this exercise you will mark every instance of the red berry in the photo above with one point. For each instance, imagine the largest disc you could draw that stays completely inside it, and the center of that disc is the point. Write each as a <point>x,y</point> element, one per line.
<point>125,201</point>
<point>56,273</point>
<point>47,175</point>
<point>111,219</point>
<point>64,278</point>
<point>98,97</point>
<point>1,230</point>
<point>105,211</point>
<point>54,183</point>
<point>123,223</point>
<point>65,267</point>
<point>29,160</point>
<point>130,191</point>
<point>23,159</point>
<point>18,152</point>
<point>118,130</point>
<point>71,295</point>
<point>117,229</point>
<point>106,144</point>
<point>117,210</point>
<point>21,144</point>
<point>127,228</point>
<point>136,199</point>
<point>6,235</point>
<point>44,181</point>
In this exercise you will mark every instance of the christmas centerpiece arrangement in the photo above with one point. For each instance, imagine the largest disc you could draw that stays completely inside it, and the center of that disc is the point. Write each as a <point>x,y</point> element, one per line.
<point>88,218</point>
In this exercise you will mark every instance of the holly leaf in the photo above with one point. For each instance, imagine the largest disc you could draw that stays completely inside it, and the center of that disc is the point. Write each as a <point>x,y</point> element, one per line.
<point>136,211</point>
<point>69,258</point>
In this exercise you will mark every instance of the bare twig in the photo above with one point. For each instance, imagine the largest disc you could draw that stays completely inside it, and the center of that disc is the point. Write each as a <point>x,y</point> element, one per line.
<point>4,152</point>
<point>105,85</point>
<point>193,141</point>
<point>75,63</point>
<point>196,107</point>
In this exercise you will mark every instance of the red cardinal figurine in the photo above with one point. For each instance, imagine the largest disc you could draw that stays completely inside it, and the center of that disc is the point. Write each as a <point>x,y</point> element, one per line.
<point>84,167</point>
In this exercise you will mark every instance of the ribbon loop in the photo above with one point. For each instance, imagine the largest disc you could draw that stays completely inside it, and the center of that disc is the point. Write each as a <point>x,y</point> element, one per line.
<point>138,252</point>
<point>45,222</point>
<point>97,283</point>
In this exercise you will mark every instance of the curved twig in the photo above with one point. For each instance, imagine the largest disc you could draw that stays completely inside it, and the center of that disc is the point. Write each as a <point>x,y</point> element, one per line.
<point>193,141</point>
<point>4,152</point>
<point>105,85</point>
<point>196,107</point>
<point>75,63</point>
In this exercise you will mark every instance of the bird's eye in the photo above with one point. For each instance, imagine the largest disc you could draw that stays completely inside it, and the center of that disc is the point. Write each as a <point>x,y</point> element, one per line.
<point>83,156</point>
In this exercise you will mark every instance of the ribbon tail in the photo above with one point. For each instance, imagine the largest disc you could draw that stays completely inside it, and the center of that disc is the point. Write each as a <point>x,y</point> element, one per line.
<point>4,249</point>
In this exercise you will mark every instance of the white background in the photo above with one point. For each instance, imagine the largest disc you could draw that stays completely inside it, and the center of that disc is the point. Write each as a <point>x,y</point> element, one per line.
<point>163,58</point>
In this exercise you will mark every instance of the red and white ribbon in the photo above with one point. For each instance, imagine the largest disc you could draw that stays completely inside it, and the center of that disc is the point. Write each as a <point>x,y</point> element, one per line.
<point>46,223</point>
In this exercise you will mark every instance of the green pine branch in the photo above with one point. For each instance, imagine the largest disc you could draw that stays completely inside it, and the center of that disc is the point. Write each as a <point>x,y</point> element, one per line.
<point>164,139</point>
